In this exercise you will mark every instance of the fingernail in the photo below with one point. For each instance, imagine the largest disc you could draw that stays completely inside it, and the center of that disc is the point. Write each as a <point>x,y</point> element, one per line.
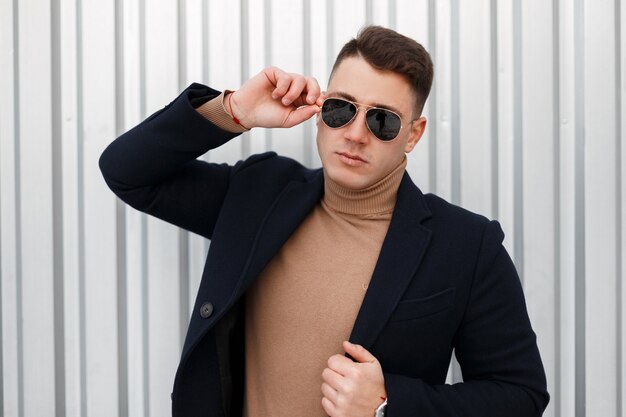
<point>286,101</point>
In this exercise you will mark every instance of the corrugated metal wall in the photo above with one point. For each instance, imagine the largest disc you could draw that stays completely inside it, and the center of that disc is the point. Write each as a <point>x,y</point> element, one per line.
<point>526,126</point>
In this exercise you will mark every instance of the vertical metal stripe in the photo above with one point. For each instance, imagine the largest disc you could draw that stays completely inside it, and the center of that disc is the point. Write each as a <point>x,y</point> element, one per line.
<point>618,212</point>
<point>181,12</point>
<point>184,277</point>
<point>556,214</point>
<point>306,64</point>
<point>267,41</point>
<point>205,42</point>
<point>368,12</point>
<point>57,211</point>
<point>18,210</point>
<point>2,338</point>
<point>393,14</point>
<point>432,101</point>
<point>183,235</point>
<point>145,318</point>
<point>120,223</point>
<point>518,135</point>
<point>579,208</point>
<point>80,133</point>
<point>145,315</point>
<point>495,105</point>
<point>245,65</point>
<point>206,73</point>
<point>455,152</point>
<point>330,33</point>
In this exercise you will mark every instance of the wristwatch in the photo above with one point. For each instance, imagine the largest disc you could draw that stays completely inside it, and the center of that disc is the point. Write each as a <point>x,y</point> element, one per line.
<point>380,411</point>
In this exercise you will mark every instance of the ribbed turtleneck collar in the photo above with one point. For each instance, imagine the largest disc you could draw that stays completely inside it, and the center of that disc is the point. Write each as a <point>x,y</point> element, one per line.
<point>377,199</point>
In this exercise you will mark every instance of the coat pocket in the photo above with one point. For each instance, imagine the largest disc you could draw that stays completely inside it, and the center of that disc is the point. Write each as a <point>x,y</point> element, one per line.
<point>421,307</point>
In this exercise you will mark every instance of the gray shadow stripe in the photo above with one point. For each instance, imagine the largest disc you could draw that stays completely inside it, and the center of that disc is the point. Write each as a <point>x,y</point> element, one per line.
<point>145,314</point>
<point>145,318</point>
<point>82,324</point>
<point>518,137</point>
<point>267,58</point>
<point>183,235</point>
<point>245,64</point>
<point>618,214</point>
<point>579,210</point>
<point>306,65</point>
<point>120,223</point>
<point>57,212</point>
<point>18,211</point>
<point>495,105</point>
<point>432,100</point>
<point>206,73</point>
<point>556,214</point>
<point>369,6</point>
<point>455,195</point>
<point>205,42</point>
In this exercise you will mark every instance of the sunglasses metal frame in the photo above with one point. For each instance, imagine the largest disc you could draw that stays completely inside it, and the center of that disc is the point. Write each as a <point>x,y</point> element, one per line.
<point>368,108</point>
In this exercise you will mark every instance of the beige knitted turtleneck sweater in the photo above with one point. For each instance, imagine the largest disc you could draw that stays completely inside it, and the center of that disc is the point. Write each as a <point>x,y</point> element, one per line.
<point>305,302</point>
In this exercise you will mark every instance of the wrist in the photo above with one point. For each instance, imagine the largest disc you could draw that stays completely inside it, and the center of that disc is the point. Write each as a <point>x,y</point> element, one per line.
<point>382,408</point>
<point>231,108</point>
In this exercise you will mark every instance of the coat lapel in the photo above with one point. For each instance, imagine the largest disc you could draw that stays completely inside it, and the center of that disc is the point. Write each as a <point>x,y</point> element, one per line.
<point>401,254</point>
<point>287,213</point>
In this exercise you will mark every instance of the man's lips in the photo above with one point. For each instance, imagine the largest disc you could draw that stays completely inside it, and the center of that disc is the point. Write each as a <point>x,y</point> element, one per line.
<point>351,156</point>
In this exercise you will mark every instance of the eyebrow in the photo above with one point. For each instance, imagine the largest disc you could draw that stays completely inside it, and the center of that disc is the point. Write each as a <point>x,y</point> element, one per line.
<point>352,98</point>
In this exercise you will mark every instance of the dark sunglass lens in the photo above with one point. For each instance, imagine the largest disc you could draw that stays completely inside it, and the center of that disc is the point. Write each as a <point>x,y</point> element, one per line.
<point>384,124</point>
<point>337,113</point>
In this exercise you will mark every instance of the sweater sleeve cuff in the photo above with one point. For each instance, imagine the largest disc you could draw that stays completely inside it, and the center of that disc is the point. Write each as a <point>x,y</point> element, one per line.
<point>214,111</point>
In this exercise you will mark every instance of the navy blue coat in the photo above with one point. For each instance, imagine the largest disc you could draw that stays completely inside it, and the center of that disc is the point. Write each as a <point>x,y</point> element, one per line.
<point>443,280</point>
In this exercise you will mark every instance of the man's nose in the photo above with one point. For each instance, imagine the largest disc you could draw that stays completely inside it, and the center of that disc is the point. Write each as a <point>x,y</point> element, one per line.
<point>357,130</point>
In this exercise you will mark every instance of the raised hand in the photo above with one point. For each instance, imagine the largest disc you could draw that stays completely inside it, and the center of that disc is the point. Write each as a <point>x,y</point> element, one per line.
<point>274,98</point>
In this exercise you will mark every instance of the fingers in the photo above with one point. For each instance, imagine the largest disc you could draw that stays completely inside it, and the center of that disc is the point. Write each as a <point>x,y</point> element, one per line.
<point>293,89</point>
<point>358,352</point>
<point>340,364</point>
<point>333,379</point>
<point>300,115</point>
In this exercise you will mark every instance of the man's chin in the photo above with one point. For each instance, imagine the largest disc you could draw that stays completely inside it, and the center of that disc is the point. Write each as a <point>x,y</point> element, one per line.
<point>347,179</point>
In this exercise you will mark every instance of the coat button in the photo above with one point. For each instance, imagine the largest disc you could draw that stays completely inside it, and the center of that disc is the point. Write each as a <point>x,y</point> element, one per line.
<point>206,310</point>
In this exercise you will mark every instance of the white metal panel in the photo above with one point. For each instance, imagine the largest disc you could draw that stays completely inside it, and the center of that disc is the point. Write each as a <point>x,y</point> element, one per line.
<point>565,394</point>
<point>225,64</point>
<point>36,210</point>
<point>505,119</point>
<point>412,20</point>
<point>538,157</point>
<point>475,98</point>
<point>71,247</point>
<point>287,54</point>
<point>442,88</point>
<point>600,209</point>
<point>163,239</point>
<point>97,65</point>
<point>8,229</point>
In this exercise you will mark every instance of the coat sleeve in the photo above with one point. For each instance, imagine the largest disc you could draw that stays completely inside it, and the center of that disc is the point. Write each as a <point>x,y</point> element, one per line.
<point>495,346</point>
<point>153,167</point>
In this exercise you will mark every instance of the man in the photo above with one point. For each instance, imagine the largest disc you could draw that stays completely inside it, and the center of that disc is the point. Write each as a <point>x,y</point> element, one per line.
<point>339,291</point>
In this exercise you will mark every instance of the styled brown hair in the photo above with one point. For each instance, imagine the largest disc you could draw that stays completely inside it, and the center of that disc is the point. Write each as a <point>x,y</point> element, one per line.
<point>387,50</point>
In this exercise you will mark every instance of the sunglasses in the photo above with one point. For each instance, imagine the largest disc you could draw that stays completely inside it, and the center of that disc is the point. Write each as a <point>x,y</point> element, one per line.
<point>384,124</point>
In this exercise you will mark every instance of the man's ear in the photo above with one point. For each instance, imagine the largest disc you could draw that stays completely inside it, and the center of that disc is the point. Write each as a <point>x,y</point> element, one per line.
<point>418,127</point>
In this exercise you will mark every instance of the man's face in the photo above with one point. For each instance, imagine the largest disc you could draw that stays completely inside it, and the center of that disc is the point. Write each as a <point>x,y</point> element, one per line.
<point>351,155</point>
